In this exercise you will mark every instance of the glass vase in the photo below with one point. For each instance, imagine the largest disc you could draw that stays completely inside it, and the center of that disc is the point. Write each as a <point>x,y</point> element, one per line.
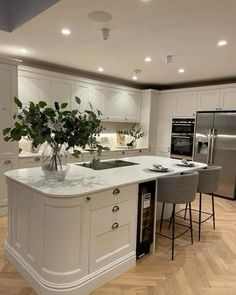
<point>55,162</point>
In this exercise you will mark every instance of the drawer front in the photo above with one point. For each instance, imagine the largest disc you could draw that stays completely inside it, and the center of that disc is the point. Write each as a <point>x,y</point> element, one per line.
<point>30,162</point>
<point>111,241</point>
<point>110,214</point>
<point>113,196</point>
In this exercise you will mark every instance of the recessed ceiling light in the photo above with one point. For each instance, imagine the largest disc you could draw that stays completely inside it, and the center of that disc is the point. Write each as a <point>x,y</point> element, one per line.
<point>65,31</point>
<point>100,69</point>
<point>148,59</point>
<point>145,0</point>
<point>181,70</point>
<point>23,50</point>
<point>135,78</point>
<point>222,43</point>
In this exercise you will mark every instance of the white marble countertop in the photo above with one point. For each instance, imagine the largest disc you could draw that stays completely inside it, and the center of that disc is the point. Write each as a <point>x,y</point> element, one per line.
<point>82,181</point>
<point>23,155</point>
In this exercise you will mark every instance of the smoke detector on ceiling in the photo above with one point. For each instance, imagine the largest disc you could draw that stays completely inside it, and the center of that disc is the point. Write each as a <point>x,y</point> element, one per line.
<point>169,59</point>
<point>106,33</point>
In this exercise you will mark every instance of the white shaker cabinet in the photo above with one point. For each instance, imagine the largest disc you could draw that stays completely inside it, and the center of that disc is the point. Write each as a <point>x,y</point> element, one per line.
<point>59,90</point>
<point>185,104</point>
<point>113,105</point>
<point>228,99</point>
<point>31,87</point>
<point>209,100</point>
<point>84,92</point>
<point>98,98</point>
<point>132,106</point>
<point>164,122</point>
<point>5,165</point>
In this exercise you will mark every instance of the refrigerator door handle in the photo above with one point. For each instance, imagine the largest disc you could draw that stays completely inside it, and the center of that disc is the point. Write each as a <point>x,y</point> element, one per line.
<point>209,146</point>
<point>212,145</point>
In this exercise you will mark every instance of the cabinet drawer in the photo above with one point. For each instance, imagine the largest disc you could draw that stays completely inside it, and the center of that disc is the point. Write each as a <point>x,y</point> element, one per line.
<point>111,214</point>
<point>113,196</point>
<point>111,241</point>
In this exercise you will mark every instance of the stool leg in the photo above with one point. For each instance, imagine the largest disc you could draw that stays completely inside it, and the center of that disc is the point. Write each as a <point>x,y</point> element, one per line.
<point>191,222</point>
<point>170,220</point>
<point>162,213</point>
<point>213,211</point>
<point>173,232</point>
<point>185,212</point>
<point>200,217</point>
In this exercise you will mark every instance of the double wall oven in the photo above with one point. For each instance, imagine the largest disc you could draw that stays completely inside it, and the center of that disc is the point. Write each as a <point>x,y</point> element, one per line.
<point>182,137</point>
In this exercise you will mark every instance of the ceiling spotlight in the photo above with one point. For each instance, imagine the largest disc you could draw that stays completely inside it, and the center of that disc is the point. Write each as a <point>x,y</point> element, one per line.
<point>181,70</point>
<point>136,73</point>
<point>222,43</point>
<point>23,50</point>
<point>100,69</point>
<point>169,59</point>
<point>66,31</point>
<point>135,77</point>
<point>148,59</point>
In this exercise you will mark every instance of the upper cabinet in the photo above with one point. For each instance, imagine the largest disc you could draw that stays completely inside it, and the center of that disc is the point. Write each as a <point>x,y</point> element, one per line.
<point>132,106</point>
<point>31,87</point>
<point>209,100</point>
<point>185,104</point>
<point>228,99</point>
<point>116,103</point>
<point>8,89</point>
<point>59,90</point>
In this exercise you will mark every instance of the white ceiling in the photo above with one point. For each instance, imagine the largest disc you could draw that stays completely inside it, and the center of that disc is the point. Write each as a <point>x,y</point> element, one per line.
<point>187,29</point>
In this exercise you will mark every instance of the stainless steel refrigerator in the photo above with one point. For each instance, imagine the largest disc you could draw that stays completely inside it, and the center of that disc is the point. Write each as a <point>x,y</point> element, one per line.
<point>215,144</point>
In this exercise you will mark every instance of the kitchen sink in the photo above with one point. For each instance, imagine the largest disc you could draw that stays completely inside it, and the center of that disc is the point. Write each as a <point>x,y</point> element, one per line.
<point>108,164</point>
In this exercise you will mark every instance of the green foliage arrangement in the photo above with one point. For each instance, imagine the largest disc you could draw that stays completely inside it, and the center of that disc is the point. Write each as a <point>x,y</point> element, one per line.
<point>135,132</point>
<point>56,125</point>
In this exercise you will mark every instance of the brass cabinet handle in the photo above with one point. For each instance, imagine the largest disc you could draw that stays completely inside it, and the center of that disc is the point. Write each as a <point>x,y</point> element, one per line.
<point>116,191</point>
<point>7,161</point>
<point>37,159</point>
<point>115,208</point>
<point>115,225</point>
<point>88,198</point>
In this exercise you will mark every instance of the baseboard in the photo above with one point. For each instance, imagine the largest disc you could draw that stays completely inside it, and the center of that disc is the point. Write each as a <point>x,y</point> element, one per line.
<point>83,286</point>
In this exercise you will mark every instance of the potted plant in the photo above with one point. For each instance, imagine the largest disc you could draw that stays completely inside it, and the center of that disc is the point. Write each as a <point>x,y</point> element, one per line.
<point>63,130</point>
<point>135,132</point>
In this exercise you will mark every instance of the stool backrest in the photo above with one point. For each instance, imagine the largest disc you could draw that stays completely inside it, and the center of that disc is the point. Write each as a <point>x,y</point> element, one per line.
<point>177,189</point>
<point>209,179</point>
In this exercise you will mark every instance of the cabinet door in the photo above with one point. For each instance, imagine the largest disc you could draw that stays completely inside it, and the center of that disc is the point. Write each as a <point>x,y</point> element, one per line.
<point>108,243</point>
<point>113,106</point>
<point>185,104</point>
<point>59,90</point>
<point>8,89</point>
<point>228,99</point>
<point>5,165</point>
<point>164,121</point>
<point>132,106</point>
<point>208,100</point>
<point>31,87</point>
<point>84,92</point>
<point>98,98</point>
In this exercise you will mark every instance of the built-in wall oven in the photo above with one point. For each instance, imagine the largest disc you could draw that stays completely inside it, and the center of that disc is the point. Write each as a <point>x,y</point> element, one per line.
<point>182,137</point>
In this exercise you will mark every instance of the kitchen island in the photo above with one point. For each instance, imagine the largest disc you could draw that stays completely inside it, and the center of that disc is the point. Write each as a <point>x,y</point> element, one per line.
<point>71,237</point>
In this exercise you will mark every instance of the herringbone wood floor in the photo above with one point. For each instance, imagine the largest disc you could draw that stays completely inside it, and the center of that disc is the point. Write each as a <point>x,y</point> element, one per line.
<point>205,268</point>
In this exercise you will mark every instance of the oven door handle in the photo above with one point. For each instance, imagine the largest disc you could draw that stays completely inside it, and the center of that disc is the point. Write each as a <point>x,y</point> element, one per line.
<point>181,136</point>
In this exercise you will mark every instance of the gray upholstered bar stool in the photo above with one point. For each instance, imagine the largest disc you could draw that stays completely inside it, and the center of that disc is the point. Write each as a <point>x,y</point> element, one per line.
<point>177,189</point>
<point>208,183</point>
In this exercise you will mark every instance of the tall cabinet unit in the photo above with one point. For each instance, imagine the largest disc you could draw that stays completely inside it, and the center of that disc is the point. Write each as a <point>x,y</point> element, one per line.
<point>8,150</point>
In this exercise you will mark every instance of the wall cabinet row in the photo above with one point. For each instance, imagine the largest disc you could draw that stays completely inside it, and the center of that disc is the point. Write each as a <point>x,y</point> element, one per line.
<point>115,103</point>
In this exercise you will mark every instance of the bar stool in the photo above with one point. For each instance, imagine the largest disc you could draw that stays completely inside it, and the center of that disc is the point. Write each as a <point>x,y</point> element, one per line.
<point>178,189</point>
<point>208,183</point>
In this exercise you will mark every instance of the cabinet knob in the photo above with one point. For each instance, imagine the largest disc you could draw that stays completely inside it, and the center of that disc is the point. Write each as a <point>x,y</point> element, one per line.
<point>37,159</point>
<point>116,191</point>
<point>123,152</point>
<point>115,225</point>
<point>115,208</point>
<point>88,198</point>
<point>107,118</point>
<point>7,162</point>
<point>140,151</point>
